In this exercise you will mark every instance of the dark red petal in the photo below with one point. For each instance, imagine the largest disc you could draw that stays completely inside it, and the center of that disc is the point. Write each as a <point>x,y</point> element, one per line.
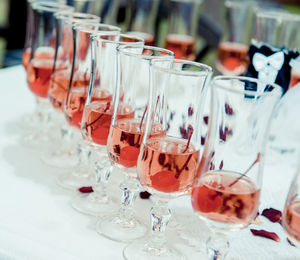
<point>86,189</point>
<point>266,234</point>
<point>145,195</point>
<point>273,215</point>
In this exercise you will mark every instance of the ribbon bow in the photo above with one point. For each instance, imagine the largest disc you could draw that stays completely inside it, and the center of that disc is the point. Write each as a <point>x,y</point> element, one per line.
<point>260,61</point>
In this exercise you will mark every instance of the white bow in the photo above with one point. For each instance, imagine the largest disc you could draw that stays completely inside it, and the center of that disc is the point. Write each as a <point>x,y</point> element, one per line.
<point>275,60</point>
<point>267,67</point>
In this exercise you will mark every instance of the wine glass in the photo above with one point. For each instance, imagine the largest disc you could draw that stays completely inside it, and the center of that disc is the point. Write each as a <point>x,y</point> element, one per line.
<point>63,153</point>
<point>97,115</point>
<point>226,192</point>
<point>167,165</point>
<point>232,54</point>
<point>182,28</point>
<point>291,212</point>
<point>39,61</point>
<point>142,20</point>
<point>126,133</point>
<point>75,99</point>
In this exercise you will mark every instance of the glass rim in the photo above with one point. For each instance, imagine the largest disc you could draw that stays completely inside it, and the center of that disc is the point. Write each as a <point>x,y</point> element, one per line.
<point>75,16</point>
<point>140,40</point>
<point>127,53</point>
<point>278,15</point>
<point>50,6</point>
<point>243,91</point>
<point>238,3</point>
<point>206,69</point>
<point>79,26</point>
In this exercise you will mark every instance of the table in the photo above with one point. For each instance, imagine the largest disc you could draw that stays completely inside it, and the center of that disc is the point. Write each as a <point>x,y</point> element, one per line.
<point>37,221</point>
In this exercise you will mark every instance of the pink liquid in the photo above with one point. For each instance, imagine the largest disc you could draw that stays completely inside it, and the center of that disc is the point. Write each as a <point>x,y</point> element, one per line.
<point>125,141</point>
<point>232,58</point>
<point>182,45</point>
<point>295,79</point>
<point>97,120</point>
<point>217,199</point>
<point>76,101</point>
<point>291,220</point>
<point>167,165</point>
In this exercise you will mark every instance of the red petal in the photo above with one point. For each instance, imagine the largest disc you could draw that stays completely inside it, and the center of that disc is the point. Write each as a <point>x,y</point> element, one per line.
<point>145,195</point>
<point>87,189</point>
<point>266,234</point>
<point>273,215</point>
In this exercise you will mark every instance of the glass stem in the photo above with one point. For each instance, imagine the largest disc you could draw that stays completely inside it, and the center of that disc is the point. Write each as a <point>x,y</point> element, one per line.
<point>130,189</point>
<point>43,111</point>
<point>84,154</point>
<point>217,246</point>
<point>103,169</point>
<point>160,216</point>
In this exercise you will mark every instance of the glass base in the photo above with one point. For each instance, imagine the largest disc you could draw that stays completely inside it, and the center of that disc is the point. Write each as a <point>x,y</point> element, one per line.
<point>30,121</point>
<point>141,250</point>
<point>75,180</point>
<point>115,228</point>
<point>60,159</point>
<point>92,204</point>
<point>36,141</point>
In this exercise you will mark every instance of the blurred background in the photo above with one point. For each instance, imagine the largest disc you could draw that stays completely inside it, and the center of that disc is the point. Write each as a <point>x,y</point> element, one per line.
<point>198,25</point>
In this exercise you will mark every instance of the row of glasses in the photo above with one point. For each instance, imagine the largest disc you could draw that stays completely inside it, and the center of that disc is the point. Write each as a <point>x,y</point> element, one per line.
<point>97,115</point>
<point>33,20</point>
<point>160,135</point>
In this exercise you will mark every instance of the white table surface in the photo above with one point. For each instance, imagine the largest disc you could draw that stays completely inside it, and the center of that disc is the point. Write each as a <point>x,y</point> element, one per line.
<point>37,221</point>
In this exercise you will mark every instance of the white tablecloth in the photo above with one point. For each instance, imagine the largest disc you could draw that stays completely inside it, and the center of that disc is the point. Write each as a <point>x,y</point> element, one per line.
<point>37,222</point>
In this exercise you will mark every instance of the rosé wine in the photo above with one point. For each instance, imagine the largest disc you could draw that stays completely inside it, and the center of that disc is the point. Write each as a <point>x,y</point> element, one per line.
<point>97,120</point>
<point>75,103</point>
<point>232,58</point>
<point>59,84</point>
<point>167,165</point>
<point>125,141</point>
<point>38,76</point>
<point>291,220</point>
<point>219,197</point>
<point>148,37</point>
<point>182,45</point>
<point>295,79</point>
<point>25,58</point>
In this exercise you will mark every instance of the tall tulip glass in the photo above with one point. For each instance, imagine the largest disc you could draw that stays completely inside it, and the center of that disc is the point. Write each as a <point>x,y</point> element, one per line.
<point>126,133</point>
<point>76,97</point>
<point>167,164</point>
<point>97,115</point>
<point>226,193</point>
<point>38,59</point>
<point>291,213</point>
<point>64,153</point>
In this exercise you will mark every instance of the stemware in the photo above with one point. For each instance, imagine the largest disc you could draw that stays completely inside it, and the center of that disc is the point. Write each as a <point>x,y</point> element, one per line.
<point>97,116</point>
<point>232,54</point>
<point>40,64</point>
<point>143,18</point>
<point>291,212</point>
<point>167,165</point>
<point>83,6</point>
<point>226,192</point>
<point>182,28</point>
<point>273,47</point>
<point>63,154</point>
<point>76,97</point>
<point>125,137</point>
